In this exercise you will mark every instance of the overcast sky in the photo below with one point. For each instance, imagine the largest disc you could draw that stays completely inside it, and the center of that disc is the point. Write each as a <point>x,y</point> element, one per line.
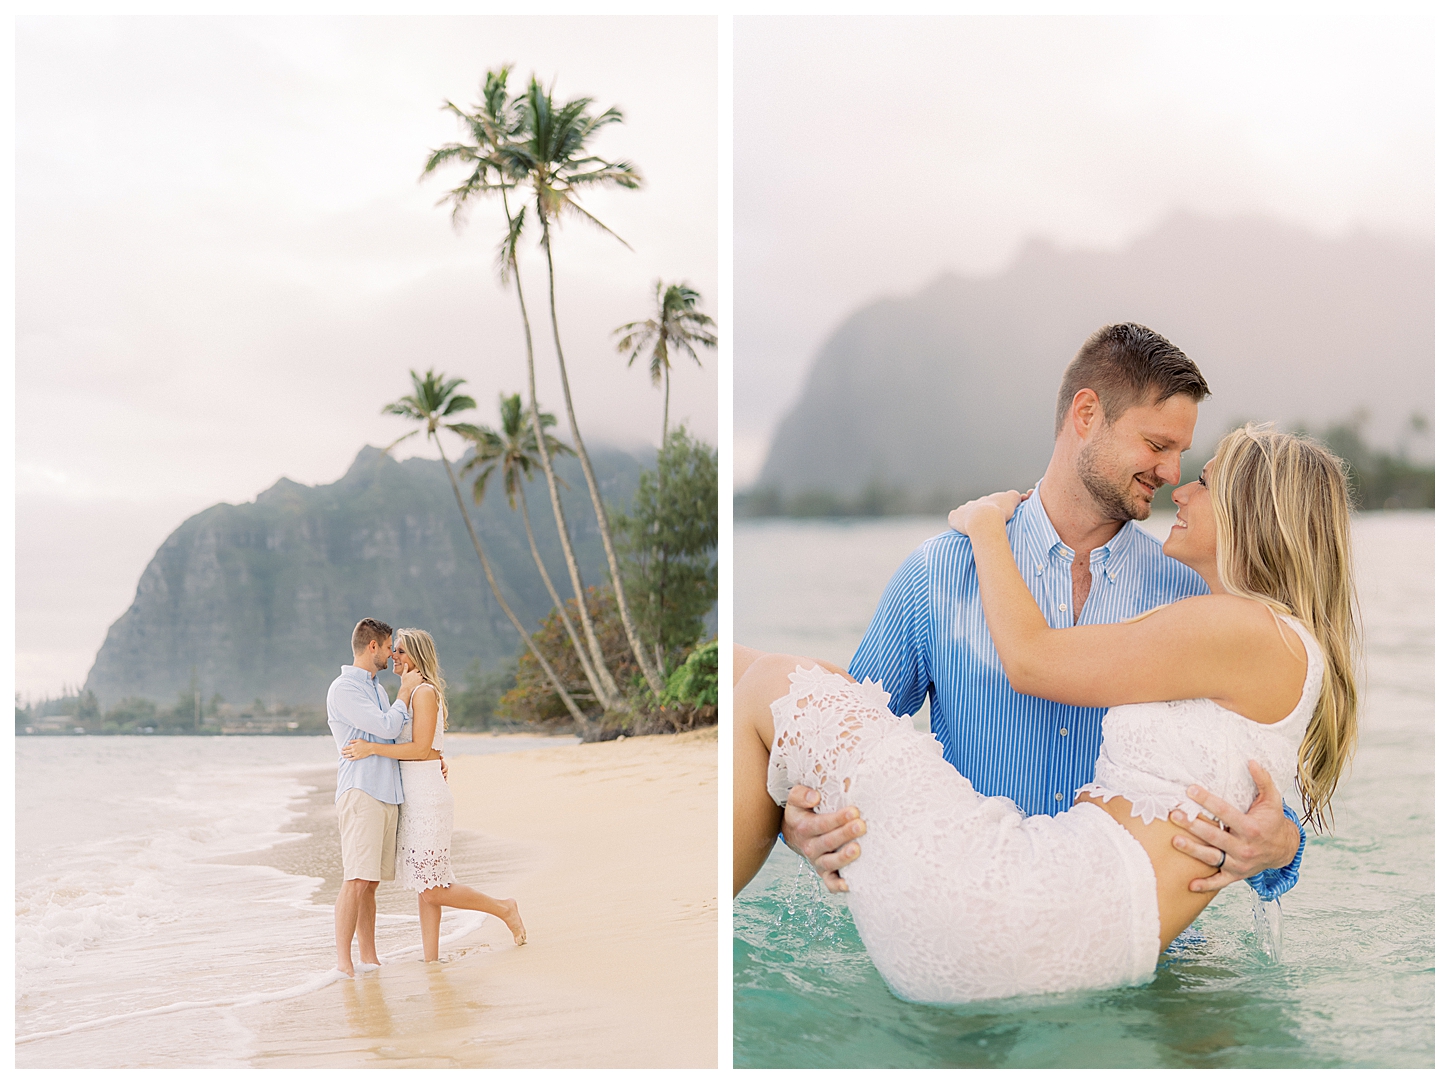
<point>872,155</point>
<point>226,265</point>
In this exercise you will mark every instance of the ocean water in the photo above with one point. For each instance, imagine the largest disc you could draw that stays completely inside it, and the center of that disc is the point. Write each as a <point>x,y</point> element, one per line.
<point>164,882</point>
<point>1353,981</point>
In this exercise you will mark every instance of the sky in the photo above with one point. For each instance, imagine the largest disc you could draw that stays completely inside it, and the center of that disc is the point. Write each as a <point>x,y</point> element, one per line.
<point>873,155</point>
<point>226,265</point>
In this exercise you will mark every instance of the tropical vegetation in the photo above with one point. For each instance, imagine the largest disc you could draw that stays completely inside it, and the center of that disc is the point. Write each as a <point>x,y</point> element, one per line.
<point>678,323</point>
<point>433,399</point>
<point>535,153</point>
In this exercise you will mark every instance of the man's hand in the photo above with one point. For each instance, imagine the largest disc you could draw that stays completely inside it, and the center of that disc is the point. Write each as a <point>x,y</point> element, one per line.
<point>411,680</point>
<point>1263,838</point>
<point>826,840</point>
<point>444,765</point>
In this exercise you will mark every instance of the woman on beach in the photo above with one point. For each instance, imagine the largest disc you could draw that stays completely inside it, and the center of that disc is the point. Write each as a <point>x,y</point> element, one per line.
<point>425,819</point>
<point>958,896</point>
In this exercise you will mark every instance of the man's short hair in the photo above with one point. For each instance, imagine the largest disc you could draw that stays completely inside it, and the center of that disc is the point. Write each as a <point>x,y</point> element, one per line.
<point>1126,364</point>
<point>368,630</point>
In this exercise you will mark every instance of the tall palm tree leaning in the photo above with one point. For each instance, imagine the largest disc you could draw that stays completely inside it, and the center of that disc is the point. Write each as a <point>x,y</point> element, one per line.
<point>676,323</point>
<point>513,453</point>
<point>491,126</point>
<point>432,401</point>
<point>548,154</point>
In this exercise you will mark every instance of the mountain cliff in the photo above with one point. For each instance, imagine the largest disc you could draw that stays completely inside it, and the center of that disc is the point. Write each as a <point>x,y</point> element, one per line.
<point>259,600</point>
<point>918,402</point>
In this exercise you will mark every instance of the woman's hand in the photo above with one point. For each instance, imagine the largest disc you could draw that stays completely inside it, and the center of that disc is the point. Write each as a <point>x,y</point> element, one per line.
<point>993,509</point>
<point>357,749</point>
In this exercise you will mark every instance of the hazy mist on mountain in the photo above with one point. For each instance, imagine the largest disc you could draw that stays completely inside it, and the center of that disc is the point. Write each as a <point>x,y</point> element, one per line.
<point>259,599</point>
<point>950,392</point>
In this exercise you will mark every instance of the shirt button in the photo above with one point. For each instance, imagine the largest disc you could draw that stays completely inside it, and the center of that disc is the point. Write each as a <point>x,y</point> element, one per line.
<point>1039,570</point>
<point>1063,732</point>
<point>1058,796</point>
<point>1112,575</point>
<point>1062,606</point>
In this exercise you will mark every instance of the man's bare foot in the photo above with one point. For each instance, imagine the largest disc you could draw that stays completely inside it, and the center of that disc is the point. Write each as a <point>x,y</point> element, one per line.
<point>346,968</point>
<point>514,922</point>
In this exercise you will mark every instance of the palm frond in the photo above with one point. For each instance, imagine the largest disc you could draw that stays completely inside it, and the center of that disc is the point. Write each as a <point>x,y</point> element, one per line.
<point>405,436</point>
<point>508,252</point>
<point>573,206</point>
<point>406,407</point>
<point>457,403</point>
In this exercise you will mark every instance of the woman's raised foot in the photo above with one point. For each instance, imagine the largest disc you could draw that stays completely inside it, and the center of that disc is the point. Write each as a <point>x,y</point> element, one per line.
<point>514,922</point>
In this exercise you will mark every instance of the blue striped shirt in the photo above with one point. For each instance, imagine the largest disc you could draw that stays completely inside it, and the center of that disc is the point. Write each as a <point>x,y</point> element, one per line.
<point>358,709</point>
<point>929,637</point>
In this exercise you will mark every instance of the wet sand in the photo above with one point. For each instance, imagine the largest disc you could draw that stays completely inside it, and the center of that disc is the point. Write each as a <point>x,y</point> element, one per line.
<point>601,845</point>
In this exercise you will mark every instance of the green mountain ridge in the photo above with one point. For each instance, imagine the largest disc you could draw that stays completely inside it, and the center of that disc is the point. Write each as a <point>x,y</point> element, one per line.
<point>258,600</point>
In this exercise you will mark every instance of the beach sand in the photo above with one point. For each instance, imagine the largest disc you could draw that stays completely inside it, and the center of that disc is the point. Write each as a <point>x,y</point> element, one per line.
<point>610,851</point>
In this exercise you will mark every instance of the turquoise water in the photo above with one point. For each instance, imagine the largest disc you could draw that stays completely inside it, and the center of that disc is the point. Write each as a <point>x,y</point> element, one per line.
<point>1354,981</point>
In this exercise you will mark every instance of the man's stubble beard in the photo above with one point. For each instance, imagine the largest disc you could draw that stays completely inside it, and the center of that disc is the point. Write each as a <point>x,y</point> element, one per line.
<point>1113,501</point>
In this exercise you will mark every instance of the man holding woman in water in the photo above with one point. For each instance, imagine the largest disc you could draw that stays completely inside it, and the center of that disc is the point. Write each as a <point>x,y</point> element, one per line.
<point>953,623</point>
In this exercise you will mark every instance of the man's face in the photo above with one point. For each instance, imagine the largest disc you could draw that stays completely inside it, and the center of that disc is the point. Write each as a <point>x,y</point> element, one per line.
<point>1122,464</point>
<point>381,654</point>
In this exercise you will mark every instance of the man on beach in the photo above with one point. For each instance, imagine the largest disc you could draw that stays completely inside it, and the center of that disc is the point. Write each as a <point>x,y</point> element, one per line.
<point>369,791</point>
<point>1126,410</point>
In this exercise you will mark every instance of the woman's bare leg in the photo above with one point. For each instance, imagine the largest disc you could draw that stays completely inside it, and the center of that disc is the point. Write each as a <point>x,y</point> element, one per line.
<point>757,818</point>
<point>471,899</point>
<point>430,917</point>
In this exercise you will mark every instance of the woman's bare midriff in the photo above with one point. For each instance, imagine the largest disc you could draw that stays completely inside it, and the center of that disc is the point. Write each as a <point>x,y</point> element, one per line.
<point>1177,906</point>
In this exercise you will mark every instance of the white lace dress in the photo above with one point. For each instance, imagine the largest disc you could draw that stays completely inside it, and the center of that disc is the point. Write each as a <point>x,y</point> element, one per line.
<point>425,819</point>
<point>958,896</point>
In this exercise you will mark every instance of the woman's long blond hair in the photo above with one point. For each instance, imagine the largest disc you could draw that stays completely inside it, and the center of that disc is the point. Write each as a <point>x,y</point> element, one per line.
<point>1282,505</point>
<point>419,646</point>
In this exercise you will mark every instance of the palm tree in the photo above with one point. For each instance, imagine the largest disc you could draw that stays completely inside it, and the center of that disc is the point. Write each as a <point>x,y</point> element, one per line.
<point>492,125</point>
<point>432,401</point>
<point>676,324</point>
<point>512,453</point>
<point>548,153</point>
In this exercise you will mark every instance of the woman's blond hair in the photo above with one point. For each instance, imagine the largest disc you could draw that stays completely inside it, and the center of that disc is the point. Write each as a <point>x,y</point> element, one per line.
<point>419,646</point>
<point>1282,505</point>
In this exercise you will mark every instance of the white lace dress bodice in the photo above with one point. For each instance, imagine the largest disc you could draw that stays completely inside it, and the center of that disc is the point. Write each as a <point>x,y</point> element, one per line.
<point>425,819</point>
<point>1151,753</point>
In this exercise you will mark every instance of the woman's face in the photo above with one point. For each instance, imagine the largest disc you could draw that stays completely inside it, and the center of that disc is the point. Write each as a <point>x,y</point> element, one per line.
<point>1194,537</point>
<point>402,662</point>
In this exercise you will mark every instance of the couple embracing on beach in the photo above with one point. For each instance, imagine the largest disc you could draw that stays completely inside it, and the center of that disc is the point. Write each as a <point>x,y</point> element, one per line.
<point>394,809</point>
<point>1032,842</point>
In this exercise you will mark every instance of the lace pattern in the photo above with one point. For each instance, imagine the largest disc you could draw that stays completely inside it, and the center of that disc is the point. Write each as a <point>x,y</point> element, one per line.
<point>957,896</point>
<point>425,822</point>
<point>1151,753</point>
<point>823,705</point>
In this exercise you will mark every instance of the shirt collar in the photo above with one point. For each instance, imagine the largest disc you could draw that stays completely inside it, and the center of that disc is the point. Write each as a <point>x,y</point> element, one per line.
<point>359,673</point>
<point>1042,540</point>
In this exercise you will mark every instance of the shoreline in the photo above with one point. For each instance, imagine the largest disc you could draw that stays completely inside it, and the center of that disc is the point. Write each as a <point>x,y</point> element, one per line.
<point>599,844</point>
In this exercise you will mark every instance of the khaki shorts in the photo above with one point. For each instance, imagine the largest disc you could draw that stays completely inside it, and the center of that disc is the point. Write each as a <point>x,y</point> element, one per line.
<point>369,830</point>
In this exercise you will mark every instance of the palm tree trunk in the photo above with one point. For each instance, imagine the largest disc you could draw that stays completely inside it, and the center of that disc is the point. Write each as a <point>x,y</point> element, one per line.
<point>579,717</point>
<point>645,663</point>
<point>605,679</point>
<point>559,605</point>
<point>665,433</point>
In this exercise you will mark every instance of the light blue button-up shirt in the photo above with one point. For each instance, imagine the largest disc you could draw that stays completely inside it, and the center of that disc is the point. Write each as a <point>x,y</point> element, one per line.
<point>357,708</point>
<point>929,636</point>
